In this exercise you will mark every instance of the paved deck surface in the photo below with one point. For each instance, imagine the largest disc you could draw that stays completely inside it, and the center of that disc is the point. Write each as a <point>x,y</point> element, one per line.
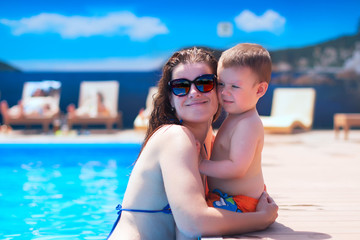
<point>315,180</point>
<point>313,177</point>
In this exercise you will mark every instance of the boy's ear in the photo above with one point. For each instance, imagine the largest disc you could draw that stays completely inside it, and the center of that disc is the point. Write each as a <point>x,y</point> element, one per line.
<point>261,89</point>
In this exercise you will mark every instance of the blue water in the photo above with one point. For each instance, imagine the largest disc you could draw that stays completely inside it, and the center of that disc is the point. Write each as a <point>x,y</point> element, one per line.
<point>134,87</point>
<point>62,191</point>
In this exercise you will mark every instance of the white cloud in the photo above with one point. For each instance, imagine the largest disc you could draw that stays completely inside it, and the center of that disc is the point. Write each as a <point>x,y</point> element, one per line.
<point>92,65</point>
<point>116,23</point>
<point>270,21</point>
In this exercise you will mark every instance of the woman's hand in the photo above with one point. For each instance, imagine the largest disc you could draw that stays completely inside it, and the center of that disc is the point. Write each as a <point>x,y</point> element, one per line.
<point>268,207</point>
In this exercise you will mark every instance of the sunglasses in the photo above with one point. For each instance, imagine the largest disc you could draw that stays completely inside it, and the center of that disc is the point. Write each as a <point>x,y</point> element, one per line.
<point>204,83</point>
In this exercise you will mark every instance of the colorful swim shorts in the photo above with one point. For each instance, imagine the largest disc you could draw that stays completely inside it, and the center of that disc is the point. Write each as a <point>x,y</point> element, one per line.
<point>237,203</point>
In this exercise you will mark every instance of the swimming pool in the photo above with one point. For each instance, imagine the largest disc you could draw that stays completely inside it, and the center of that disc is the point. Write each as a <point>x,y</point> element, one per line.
<point>62,191</point>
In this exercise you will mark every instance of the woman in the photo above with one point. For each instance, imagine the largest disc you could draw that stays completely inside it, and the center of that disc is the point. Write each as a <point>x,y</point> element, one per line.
<point>166,171</point>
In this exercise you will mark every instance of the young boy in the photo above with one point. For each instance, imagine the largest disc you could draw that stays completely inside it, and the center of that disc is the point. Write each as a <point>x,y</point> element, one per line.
<point>234,172</point>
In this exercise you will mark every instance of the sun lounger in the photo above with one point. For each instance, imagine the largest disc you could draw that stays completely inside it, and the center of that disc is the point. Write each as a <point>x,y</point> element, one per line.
<point>345,121</point>
<point>39,105</point>
<point>98,105</point>
<point>142,119</point>
<point>291,108</point>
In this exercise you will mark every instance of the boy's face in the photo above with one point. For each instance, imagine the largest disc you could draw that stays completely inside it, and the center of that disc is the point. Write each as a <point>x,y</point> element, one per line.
<point>238,89</point>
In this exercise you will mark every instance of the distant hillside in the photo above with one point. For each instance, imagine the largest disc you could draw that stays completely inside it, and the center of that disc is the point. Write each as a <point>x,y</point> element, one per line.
<point>4,67</point>
<point>332,53</point>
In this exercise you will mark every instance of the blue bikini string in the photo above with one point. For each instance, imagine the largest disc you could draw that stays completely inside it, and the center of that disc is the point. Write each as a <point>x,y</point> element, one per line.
<point>205,150</point>
<point>166,210</point>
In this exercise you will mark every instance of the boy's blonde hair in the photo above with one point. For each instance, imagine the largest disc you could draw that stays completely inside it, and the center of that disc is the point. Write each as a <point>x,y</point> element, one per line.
<point>249,55</point>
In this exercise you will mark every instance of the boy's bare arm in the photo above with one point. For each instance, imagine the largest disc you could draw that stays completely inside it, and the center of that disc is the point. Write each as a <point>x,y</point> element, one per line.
<point>244,142</point>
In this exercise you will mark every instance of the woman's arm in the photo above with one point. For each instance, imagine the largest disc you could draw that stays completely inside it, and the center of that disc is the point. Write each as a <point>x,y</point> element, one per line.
<point>185,193</point>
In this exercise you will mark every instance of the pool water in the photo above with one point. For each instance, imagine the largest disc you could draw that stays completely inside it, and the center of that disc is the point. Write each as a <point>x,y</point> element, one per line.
<point>62,191</point>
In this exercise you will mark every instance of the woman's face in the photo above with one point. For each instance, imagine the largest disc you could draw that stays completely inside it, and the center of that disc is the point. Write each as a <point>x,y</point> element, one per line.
<point>195,107</point>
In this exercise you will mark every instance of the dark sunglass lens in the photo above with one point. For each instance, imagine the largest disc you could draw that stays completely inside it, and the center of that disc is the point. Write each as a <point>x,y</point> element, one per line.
<point>180,87</point>
<point>205,84</point>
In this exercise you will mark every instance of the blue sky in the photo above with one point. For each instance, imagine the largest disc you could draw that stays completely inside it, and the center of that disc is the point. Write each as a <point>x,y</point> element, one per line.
<point>130,35</point>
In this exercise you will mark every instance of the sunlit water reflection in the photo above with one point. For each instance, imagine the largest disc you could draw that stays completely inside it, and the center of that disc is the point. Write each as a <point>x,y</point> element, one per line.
<point>62,191</point>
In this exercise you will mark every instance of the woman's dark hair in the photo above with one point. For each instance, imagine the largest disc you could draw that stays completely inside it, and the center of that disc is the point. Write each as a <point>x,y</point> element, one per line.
<point>162,112</point>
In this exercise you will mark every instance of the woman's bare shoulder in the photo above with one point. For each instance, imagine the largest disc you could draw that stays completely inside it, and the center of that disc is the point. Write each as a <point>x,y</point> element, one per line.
<point>175,146</point>
<point>173,131</point>
<point>169,139</point>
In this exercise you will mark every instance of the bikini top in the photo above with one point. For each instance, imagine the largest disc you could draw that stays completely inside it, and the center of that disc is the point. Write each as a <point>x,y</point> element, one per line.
<point>166,210</point>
